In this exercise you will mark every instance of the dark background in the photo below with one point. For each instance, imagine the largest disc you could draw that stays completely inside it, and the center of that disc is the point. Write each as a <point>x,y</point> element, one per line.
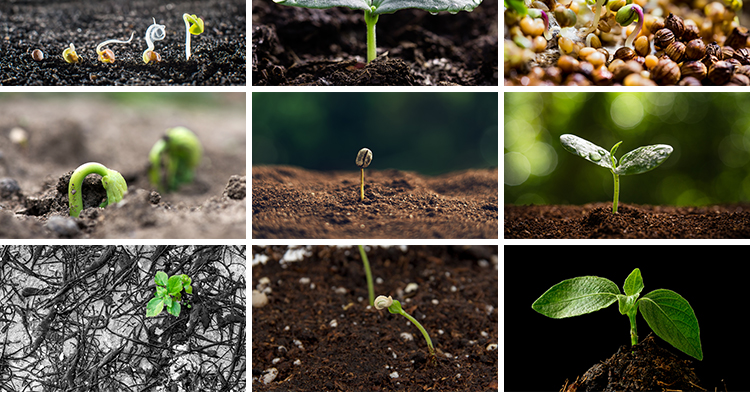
<point>541,352</point>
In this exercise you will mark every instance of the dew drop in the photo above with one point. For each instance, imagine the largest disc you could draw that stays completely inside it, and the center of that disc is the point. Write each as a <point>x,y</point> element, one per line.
<point>595,157</point>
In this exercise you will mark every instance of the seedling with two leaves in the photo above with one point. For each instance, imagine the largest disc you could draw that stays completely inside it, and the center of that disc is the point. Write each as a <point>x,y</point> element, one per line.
<point>169,294</point>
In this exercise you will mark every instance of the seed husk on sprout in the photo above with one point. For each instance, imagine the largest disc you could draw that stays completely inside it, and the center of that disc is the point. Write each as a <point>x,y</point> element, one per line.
<point>364,157</point>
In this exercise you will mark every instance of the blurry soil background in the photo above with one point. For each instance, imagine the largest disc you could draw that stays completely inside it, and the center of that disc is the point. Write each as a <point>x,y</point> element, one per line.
<point>218,55</point>
<point>118,130</point>
<point>596,221</point>
<point>289,202</point>
<point>73,319</point>
<point>317,332</point>
<point>298,46</point>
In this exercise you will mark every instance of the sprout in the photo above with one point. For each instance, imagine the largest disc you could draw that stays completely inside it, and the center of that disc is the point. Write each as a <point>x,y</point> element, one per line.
<point>394,307</point>
<point>193,25</point>
<point>112,181</point>
<point>364,157</point>
<point>627,15</point>
<point>597,15</point>
<point>174,159</point>
<point>155,32</point>
<point>70,55</point>
<point>368,274</point>
<point>107,56</point>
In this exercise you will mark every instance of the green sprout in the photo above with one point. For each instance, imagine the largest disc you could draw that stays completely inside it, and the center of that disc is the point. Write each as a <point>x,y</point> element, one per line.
<point>394,307</point>
<point>637,161</point>
<point>374,8</point>
<point>627,15</point>
<point>106,55</point>
<point>666,312</point>
<point>194,26</point>
<point>168,293</point>
<point>155,32</point>
<point>112,181</point>
<point>368,274</point>
<point>364,157</point>
<point>174,158</point>
<point>70,55</point>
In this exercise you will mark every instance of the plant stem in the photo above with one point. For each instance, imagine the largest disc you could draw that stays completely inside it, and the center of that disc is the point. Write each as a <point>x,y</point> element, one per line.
<point>371,19</point>
<point>368,273</point>
<point>362,184</point>
<point>421,329</point>
<point>633,330</point>
<point>617,193</point>
<point>75,200</point>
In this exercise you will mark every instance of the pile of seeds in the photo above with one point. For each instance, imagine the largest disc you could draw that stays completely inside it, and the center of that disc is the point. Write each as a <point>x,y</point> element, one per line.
<point>701,43</point>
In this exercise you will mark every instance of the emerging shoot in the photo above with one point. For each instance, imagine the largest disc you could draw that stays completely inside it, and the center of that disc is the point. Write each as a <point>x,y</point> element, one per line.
<point>394,307</point>
<point>368,274</point>
<point>106,55</point>
<point>70,55</point>
<point>627,15</point>
<point>194,26</point>
<point>364,157</point>
<point>155,32</point>
<point>174,158</point>
<point>112,181</point>
<point>168,293</point>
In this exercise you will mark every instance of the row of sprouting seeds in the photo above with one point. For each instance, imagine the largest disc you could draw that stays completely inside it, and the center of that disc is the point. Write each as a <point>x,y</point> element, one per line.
<point>155,32</point>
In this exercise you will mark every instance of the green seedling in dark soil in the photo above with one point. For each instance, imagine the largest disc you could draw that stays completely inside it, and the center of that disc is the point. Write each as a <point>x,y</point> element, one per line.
<point>193,26</point>
<point>668,314</point>
<point>368,274</point>
<point>637,161</point>
<point>374,8</point>
<point>174,158</point>
<point>106,55</point>
<point>394,307</point>
<point>112,181</point>
<point>155,32</point>
<point>168,293</point>
<point>364,157</point>
<point>70,55</point>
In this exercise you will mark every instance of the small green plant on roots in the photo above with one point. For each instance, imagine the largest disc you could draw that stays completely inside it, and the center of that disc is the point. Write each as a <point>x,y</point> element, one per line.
<point>374,8</point>
<point>667,313</point>
<point>368,274</point>
<point>193,26</point>
<point>112,181</point>
<point>364,158</point>
<point>174,158</point>
<point>169,294</point>
<point>637,161</point>
<point>394,307</point>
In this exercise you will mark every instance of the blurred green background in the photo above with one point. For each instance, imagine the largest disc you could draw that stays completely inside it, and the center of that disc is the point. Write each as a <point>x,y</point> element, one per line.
<point>430,133</point>
<point>710,133</point>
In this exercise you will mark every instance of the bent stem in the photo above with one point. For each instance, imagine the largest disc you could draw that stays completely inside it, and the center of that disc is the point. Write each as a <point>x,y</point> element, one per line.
<point>368,273</point>
<point>597,15</point>
<point>112,181</point>
<point>193,25</point>
<point>371,19</point>
<point>395,308</point>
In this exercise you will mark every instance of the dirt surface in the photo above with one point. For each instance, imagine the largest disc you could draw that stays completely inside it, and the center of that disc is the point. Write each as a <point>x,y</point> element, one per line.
<point>298,46</point>
<point>218,55</point>
<point>323,336</point>
<point>79,128</point>
<point>596,221</point>
<point>643,367</point>
<point>73,319</point>
<point>290,202</point>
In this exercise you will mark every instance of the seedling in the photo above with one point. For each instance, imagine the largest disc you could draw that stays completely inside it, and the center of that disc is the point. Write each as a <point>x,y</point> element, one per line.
<point>368,274</point>
<point>668,314</point>
<point>637,161</point>
<point>394,307</point>
<point>174,159</point>
<point>627,15</point>
<point>70,55</point>
<point>106,55</point>
<point>364,157</point>
<point>112,181</point>
<point>374,8</point>
<point>155,32</point>
<point>194,26</point>
<point>168,293</point>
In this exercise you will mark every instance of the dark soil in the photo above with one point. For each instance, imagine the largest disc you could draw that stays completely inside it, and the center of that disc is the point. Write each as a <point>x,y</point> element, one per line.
<point>456,302</point>
<point>218,55</point>
<point>596,221</point>
<point>292,203</point>
<point>298,46</point>
<point>643,367</point>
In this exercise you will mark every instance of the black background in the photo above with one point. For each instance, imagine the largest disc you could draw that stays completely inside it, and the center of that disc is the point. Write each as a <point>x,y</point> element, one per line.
<point>541,352</point>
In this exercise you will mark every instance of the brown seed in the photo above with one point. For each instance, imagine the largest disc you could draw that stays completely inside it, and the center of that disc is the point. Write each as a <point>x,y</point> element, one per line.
<point>690,81</point>
<point>695,49</point>
<point>720,72</point>
<point>737,39</point>
<point>714,49</point>
<point>624,53</point>
<point>666,72</point>
<point>625,69</point>
<point>568,64</point>
<point>602,76</point>
<point>740,80</point>
<point>642,46</point>
<point>663,38</point>
<point>693,69</point>
<point>691,31</point>
<point>155,57</point>
<point>37,55</point>
<point>675,24</point>
<point>676,51</point>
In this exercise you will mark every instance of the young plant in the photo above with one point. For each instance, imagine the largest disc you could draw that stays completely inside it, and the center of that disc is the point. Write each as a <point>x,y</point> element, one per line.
<point>70,55</point>
<point>627,15</point>
<point>668,314</point>
<point>637,161</point>
<point>112,181</point>
<point>374,8</point>
<point>394,307</point>
<point>364,157</point>
<point>168,293</point>
<point>155,32</point>
<point>174,159</point>
<point>368,274</point>
<point>106,55</point>
<point>194,26</point>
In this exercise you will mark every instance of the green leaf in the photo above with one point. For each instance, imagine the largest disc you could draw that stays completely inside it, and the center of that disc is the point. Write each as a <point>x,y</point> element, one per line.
<point>189,289</point>
<point>154,307</point>
<point>634,283</point>
<point>587,150</point>
<point>161,279</point>
<point>388,6</point>
<point>577,296</point>
<point>643,159</point>
<point>174,309</point>
<point>168,302</point>
<point>626,303</point>
<point>161,292</point>
<point>174,286</point>
<point>670,316</point>
<point>115,186</point>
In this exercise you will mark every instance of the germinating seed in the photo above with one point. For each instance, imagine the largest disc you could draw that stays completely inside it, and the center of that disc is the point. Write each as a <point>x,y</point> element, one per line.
<point>364,157</point>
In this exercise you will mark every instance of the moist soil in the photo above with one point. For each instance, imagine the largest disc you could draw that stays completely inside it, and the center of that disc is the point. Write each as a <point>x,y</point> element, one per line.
<point>218,55</point>
<point>596,221</point>
<point>319,334</point>
<point>298,46</point>
<point>643,367</point>
<point>290,203</point>
<point>84,128</point>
